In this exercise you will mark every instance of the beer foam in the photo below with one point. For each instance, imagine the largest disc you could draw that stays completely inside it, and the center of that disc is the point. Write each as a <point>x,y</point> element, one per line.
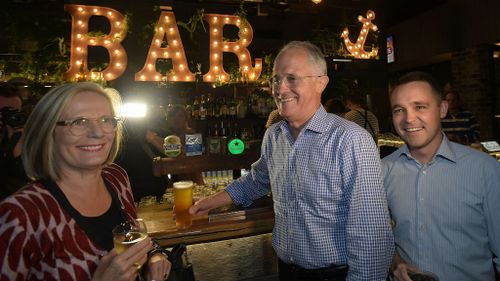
<point>183,184</point>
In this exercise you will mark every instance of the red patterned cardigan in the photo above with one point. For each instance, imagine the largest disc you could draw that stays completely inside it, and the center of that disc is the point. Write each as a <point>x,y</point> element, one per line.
<point>40,241</point>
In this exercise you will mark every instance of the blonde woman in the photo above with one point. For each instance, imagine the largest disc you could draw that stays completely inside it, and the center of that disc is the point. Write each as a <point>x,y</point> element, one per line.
<point>59,226</point>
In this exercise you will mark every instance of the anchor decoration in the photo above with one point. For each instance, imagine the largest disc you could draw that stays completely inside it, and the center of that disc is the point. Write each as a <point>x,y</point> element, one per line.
<point>357,49</point>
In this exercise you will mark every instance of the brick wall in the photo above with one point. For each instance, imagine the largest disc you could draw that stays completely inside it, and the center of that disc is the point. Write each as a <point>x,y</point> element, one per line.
<point>471,77</point>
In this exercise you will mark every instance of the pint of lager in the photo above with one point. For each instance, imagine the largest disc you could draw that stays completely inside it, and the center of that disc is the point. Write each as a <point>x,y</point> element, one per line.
<point>183,199</point>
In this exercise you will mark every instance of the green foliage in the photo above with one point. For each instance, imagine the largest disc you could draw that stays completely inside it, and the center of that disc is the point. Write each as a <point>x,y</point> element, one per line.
<point>193,22</point>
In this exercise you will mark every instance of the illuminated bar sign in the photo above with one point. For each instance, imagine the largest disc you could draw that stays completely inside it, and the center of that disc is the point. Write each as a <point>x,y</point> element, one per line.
<point>357,49</point>
<point>174,50</point>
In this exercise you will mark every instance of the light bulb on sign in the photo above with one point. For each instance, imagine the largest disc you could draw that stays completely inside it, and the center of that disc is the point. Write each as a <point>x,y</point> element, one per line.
<point>81,40</point>
<point>357,48</point>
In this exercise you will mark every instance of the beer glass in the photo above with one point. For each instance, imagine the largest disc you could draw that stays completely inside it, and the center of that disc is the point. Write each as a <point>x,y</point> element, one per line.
<point>129,233</point>
<point>183,199</point>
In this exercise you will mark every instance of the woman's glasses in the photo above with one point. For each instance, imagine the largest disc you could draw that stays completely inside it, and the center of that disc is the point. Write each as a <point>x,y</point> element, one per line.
<point>80,126</point>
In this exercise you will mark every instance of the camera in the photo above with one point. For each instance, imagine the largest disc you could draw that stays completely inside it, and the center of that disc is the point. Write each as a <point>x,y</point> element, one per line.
<point>12,117</point>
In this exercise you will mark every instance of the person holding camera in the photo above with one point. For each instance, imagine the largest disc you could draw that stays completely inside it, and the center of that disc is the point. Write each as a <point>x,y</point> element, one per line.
<point>11,131</point>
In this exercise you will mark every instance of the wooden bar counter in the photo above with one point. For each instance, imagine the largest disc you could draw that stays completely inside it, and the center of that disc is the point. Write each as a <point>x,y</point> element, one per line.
<point>214,227</point>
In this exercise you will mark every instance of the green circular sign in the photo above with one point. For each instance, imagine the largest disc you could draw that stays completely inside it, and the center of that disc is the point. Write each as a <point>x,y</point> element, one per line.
<point>236,146</point>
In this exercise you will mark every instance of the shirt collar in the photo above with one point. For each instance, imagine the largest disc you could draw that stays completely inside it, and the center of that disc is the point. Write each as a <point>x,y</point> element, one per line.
<point>444,151</point>
<point>317,123</point>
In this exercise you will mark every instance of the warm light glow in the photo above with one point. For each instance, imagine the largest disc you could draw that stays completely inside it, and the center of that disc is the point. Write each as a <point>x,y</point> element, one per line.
<point>174,46</point>
<point>80,41</point>
<point>239,48</point>
<point>357,48</point>
<point>316,1</point>
<point>133,110</point>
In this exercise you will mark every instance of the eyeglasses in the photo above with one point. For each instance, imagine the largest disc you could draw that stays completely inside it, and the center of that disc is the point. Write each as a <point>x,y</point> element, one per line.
<point>291,81</point>
<point>80,126</point>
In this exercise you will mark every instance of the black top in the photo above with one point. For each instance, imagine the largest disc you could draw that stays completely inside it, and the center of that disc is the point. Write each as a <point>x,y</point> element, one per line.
<point>99,228</point>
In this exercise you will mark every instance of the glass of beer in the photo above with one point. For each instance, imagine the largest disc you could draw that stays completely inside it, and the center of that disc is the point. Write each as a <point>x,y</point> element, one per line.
<point>183,199</point>
<point>129,233</point>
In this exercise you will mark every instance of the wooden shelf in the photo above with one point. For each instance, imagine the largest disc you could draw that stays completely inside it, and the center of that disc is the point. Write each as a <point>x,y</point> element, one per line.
<point>187,164</point>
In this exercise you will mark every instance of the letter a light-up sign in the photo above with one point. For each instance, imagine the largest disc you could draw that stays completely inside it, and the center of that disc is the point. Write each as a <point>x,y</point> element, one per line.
<point>166,28</point>
<point>239,48</point>
<point>80,41</point>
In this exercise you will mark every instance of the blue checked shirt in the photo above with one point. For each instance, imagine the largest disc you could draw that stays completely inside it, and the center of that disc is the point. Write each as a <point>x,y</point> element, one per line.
<point>329,204</point>
<point>447,212</point>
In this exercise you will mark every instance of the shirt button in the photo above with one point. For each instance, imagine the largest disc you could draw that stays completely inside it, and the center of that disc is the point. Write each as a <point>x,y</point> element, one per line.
<point>424,172</point>
<point>421,198</point>
<point>422,227</point>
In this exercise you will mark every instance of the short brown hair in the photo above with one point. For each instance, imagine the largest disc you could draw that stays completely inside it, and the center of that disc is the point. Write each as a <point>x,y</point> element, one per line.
<point>419,76</point>
<point>38,147</point>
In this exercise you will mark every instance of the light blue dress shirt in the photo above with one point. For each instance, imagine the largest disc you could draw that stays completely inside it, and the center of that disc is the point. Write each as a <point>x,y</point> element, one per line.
<point>447,212</point>
<point>329,203</point>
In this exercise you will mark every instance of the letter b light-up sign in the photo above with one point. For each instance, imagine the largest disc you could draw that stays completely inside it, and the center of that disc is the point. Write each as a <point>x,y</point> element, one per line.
<point>80,41</point>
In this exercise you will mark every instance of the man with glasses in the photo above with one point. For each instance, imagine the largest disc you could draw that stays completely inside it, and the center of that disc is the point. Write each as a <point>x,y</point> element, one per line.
<point>331,217</point>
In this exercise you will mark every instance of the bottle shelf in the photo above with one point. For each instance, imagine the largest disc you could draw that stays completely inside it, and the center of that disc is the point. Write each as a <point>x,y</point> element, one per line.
<point>187,164</point>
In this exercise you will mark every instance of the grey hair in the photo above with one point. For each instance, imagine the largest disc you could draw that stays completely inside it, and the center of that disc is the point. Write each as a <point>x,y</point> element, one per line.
<point>316,56</point>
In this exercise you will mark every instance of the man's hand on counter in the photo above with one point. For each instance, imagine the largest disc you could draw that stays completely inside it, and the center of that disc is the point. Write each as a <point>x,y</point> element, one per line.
<point>204,205</point>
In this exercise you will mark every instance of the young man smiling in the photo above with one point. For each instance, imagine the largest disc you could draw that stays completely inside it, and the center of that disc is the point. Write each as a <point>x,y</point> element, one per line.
<point>443,196</point>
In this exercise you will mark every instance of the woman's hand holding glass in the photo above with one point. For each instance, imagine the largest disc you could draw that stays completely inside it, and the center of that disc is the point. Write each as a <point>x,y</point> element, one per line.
<point>123,266</point>
<point>132,245</point>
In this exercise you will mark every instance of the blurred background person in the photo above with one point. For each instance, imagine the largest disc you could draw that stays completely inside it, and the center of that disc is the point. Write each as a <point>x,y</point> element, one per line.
<point>274,117</point>
<point>137,157</point>
<point>335,106</point>
<point>459,125</point>
<point>177,123</point>
<point>360,115</point>
<point>59,227</point>
<point>12,120</point>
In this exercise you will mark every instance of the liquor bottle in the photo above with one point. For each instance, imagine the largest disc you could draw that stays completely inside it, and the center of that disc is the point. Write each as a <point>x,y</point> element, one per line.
<point>232,109</point>
<point>209,105</point>
<point>189,110</point>
<point>214,141</point>
<point>223,138</point>
<point>196,109</point>
<point>203,108</point>
<point>249,107</point>
<point>241,109</point>
<point>224,109</point>
<point>217,108</point>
